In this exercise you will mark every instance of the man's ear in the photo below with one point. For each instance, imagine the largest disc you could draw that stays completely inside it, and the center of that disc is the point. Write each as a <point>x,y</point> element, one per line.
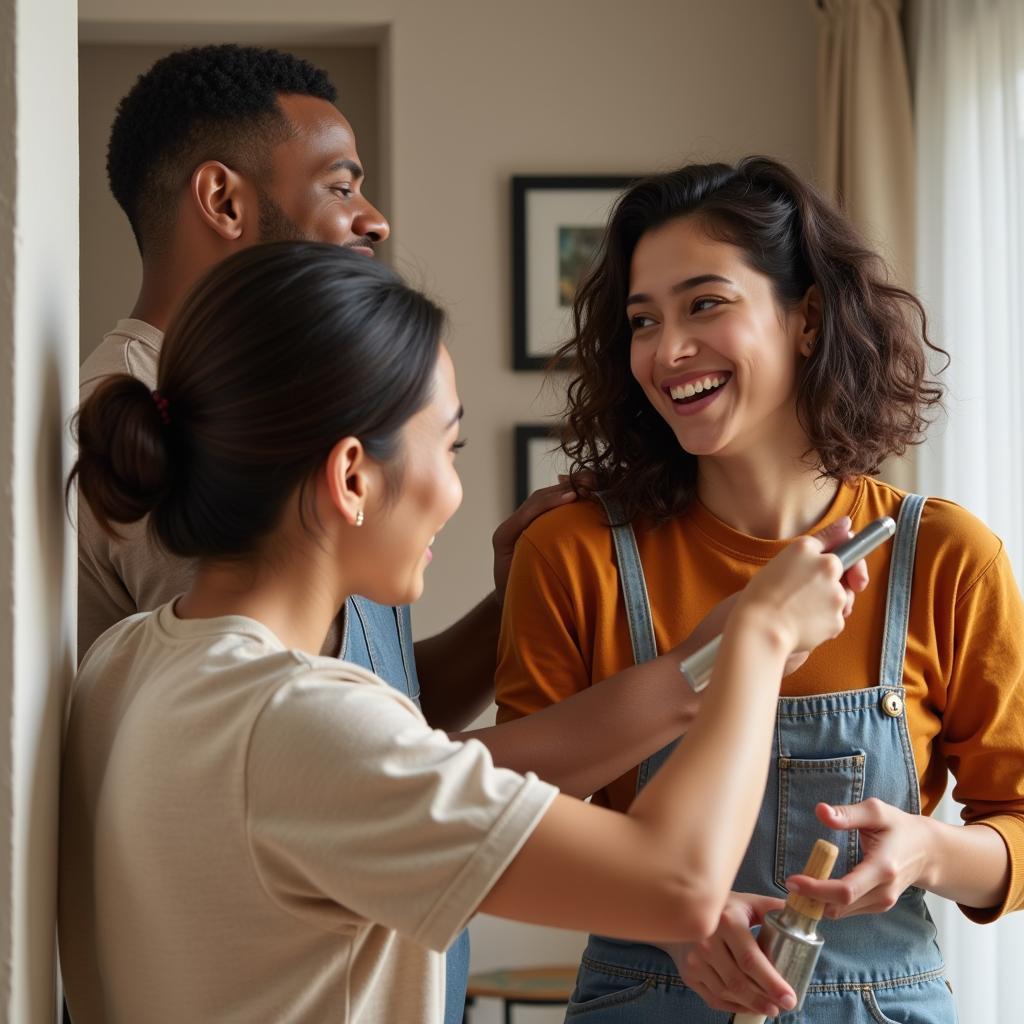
<point>809,320</point>
<point>350,476</point>
<point>224,199</point>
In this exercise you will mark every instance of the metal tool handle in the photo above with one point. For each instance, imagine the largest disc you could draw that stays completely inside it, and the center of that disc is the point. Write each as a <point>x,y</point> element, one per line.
<point>863,543</point>
<point>696,669</point>
<point>819,865</point>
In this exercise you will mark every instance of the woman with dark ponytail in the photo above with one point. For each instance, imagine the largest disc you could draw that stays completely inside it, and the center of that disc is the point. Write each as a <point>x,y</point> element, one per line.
<point>742,366</point>
<point>253,832</point>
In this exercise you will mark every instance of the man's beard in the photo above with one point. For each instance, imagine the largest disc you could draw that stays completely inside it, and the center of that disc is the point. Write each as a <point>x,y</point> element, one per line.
<point>275,225</point>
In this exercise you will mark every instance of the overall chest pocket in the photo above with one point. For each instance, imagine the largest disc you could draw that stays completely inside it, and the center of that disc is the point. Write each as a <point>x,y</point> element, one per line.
<point>804,783</point>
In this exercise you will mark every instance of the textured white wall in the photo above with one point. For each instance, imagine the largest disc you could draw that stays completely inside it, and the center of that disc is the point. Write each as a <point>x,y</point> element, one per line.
<point>473,92</point>
<point>38,385</point>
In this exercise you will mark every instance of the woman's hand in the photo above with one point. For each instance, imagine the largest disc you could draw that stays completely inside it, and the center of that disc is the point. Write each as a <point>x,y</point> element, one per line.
<point>729,971</point>
<point>896,849</point>
<point>542,500</point>
<point>855,580</point>
<point>800,593</point>
<point>507,534</point>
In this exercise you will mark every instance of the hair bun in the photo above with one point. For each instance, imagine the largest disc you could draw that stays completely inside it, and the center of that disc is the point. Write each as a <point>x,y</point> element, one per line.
<point>123,466</point>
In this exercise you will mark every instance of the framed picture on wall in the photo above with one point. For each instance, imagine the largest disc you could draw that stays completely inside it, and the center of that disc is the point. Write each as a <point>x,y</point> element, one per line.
<point>538,460</point>
<point>557,226</point>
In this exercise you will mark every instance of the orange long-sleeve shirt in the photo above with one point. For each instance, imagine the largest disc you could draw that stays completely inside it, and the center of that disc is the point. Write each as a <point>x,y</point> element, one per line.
<point>564,628</point>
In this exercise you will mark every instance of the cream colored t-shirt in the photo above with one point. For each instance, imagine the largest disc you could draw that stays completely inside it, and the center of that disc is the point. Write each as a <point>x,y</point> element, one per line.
<point>251,834</point>
<point>118,576</point>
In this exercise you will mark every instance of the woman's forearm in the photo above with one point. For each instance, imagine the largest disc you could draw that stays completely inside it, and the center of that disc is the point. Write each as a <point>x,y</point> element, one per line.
<point>724,761</point>
<point>663,871</point>
<point>456,667</point>
<point>587,741</point>
<point>671,861</point>
<point>966,863</point>
<point>593,737</point>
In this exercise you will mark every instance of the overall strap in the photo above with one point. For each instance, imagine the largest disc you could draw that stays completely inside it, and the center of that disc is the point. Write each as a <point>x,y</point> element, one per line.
<point>403,625</point>
<point>634,587</point>
<point>901,578</point>
<point>361,614</point>
<point>346,625</point>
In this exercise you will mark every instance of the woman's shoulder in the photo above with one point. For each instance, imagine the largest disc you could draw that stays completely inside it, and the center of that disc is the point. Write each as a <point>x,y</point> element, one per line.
<point>582,525</point>
<point>333,676</point>
<point>330,698</point>
<point>950,540</point>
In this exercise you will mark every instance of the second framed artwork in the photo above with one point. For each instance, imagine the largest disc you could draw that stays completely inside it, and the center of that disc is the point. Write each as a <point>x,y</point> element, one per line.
<point>538,460</point>
<point>557,227</point>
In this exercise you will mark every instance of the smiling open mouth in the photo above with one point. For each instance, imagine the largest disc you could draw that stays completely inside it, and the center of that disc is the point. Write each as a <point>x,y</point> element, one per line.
<point>695,390</point>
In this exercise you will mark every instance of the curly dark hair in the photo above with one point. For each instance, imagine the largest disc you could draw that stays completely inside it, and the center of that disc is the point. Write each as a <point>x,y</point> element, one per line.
<point>208,102</point>
<point>864,393</point>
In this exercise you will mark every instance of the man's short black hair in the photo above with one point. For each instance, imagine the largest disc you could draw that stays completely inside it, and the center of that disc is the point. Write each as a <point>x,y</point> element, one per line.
<point>204,103</point>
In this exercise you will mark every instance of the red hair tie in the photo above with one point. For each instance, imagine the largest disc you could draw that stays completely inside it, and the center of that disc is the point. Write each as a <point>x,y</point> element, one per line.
<point>163,407</point>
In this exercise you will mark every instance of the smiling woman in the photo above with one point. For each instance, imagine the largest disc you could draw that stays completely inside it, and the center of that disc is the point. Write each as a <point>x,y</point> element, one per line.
<point>741,364</point>
<point>712,334</point>
<point>755,240</point>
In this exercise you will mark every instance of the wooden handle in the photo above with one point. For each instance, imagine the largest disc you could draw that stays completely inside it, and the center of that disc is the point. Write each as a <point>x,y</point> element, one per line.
<point>819,865</point>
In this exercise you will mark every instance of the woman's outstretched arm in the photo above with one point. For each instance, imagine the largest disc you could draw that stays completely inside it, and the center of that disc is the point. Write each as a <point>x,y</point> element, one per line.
<point>663,871</point>
<point>601,732</point>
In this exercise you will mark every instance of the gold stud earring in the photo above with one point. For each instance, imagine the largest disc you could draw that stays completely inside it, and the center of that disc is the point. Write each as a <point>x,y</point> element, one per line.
<point>359,518</point>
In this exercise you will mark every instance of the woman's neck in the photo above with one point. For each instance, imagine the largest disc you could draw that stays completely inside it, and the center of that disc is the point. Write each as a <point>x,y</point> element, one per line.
<point>287,600</point>
<point>770,498</point>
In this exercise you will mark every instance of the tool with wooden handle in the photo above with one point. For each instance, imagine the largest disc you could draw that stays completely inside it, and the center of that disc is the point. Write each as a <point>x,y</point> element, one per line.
<point>789,937</point>
<point>696,669</point>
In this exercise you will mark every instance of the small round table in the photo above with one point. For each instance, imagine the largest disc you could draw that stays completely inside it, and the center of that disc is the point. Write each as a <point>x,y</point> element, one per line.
<point>534,986</point>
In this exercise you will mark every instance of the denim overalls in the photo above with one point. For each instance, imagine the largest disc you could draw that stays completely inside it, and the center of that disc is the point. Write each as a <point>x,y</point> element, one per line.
<point>380,638</point>
<point>839,748</point>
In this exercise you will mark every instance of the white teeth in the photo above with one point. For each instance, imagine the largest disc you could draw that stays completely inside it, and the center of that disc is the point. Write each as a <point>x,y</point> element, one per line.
<point>430,543</point>
<point>696,387</point>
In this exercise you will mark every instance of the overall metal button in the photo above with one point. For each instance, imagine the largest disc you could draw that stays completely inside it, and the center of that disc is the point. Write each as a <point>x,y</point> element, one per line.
<point>892,704</point>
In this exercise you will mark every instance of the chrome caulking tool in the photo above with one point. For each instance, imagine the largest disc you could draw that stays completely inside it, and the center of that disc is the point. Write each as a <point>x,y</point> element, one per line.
<point>789,937</point>
<point>696,669</point>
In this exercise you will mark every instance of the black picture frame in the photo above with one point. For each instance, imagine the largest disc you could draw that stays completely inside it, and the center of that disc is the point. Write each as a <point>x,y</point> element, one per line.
<point>536,448</point>
<point>537,311</point>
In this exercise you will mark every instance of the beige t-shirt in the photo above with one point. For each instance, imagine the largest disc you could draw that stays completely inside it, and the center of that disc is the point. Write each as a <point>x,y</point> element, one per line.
<point>120,576</point>
<point>252,834</point>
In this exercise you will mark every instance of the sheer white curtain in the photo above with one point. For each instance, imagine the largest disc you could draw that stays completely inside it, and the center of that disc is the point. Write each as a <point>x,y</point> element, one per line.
<point>969,112</point>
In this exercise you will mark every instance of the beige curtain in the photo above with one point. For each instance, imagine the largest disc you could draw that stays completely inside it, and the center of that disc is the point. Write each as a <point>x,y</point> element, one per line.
<point>866,139</point>
<point>865,128</point>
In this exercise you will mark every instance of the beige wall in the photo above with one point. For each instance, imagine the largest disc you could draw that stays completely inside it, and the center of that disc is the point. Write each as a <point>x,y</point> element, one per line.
<point>473,92</point>
<point>38,386</point>
<point>110,269</point>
